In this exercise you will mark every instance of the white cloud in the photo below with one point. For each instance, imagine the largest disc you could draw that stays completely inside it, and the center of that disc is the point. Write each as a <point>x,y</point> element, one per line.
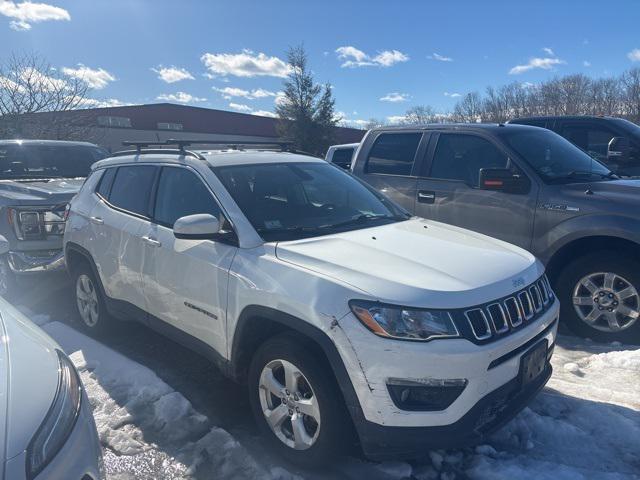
<point>395,119</point>
<point>245,64</point>
<point>94,78</point>
<point>280,98</point>
<point>26,13</point>
<point>548,51</point>
<point>352,57</point>
<point>440,58</point>
<point>395,97</point>
<point>180,97</point>
<point>586,63</point>
<point>230,92</point>
<point>264,113</point>
<point>634,55</point>
<point>101,103</point>
<point>41,81</point>
<point>240,107</point>
<point>172,74</point>
<point>452,95</point>
<point>546,63</point>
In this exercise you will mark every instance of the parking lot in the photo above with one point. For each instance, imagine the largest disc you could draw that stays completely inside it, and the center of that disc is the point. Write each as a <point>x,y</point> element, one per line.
<point>162,411</point>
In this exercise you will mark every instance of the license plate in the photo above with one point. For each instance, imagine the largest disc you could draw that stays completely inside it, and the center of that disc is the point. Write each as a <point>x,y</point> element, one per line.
<point>533,363</point>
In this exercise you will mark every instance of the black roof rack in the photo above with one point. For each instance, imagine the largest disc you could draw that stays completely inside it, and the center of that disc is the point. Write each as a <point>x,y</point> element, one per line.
<point>147,146</point>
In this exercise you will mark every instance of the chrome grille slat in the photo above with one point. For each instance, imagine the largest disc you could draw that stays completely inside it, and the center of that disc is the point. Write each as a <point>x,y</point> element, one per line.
<point>536,297</point>
<point>517,321</point>
<point>476,328</point>
<point>526,304</point>
<point>498,318</point>
<point>543,290</point>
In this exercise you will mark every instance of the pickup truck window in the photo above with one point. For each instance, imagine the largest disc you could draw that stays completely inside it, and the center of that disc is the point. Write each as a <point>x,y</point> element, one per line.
<point>47,161</point>
<point>554,158</point>
<point>289,201</point>
<point>393,153</point>
<point>591,138</point>
<point>460,157</point>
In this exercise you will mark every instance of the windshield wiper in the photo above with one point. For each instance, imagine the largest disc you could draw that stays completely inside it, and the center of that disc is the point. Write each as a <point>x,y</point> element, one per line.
<point>578,173</point>
<point>359,219</point>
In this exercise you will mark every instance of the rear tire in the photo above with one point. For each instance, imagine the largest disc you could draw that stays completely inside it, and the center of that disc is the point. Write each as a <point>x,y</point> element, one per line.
<point>600,297</point>
<point>297,403</point>
<point>90,303</point>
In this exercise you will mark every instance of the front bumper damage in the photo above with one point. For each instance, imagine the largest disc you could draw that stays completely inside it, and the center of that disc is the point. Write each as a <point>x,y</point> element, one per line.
<point>36,261</point>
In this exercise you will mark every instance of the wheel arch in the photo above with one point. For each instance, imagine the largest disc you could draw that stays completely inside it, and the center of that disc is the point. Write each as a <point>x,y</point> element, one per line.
<point>256,324</point>
<point>581,246</point>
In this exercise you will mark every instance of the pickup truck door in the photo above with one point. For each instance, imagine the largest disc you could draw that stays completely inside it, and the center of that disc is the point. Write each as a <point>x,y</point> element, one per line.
<point>448,190</point>
<point>390,165</point>
<point>186,281</point>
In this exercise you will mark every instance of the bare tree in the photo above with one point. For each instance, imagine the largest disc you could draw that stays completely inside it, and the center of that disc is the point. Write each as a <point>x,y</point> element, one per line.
<point>29,85</point>
<point>421,114</point>
<point>631,94</point>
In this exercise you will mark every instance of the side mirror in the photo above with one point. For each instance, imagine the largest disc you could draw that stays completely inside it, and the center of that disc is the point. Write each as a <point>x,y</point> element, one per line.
<point>4,245</point>
<point>504,180</point>
<point>618,150</point>
<point>201,226</point>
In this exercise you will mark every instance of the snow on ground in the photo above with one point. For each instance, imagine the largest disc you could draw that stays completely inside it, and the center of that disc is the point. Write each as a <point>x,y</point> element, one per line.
<point>584,425</point>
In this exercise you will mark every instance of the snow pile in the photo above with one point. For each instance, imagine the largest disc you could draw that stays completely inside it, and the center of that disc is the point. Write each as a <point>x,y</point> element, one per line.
<point>149,430</point>
<point>584,425</point>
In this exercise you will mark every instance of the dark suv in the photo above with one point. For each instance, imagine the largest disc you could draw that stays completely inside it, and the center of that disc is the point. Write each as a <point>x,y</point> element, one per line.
<point>530,187</point>
<point>613,141</point>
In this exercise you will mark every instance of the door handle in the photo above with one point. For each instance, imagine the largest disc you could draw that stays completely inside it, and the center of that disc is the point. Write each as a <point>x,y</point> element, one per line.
<point>426,197</point>
<point>152,242</point>
<point>97,220</point>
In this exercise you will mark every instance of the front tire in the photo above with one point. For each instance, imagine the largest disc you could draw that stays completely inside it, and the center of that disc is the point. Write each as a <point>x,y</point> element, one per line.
<point>296,402</point>
<point>94,317</point>
<point>600,297</point>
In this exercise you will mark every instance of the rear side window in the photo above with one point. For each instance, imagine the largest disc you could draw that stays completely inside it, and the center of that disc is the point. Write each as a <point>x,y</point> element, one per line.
<point>393,153</point>
<point>132,187</point>
<point>460,157</point>
<point>342,157</point>
<point>104,187</point>
<point>592,139</point>
<point>182,193</point>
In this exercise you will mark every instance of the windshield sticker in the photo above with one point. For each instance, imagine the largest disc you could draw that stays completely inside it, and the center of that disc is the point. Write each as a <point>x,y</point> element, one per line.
<point>271,224</point>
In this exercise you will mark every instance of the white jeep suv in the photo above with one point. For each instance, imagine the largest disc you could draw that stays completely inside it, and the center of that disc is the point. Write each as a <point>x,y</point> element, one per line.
<point>348,319</point>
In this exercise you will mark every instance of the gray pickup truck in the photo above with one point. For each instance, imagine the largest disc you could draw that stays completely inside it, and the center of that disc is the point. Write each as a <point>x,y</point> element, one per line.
<point>530,187</point>
<point>37,180</point>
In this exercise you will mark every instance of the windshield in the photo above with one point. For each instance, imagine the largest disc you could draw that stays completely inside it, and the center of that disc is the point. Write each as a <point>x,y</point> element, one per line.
<point>555,159</point>
<point>47,161</point>
<point>288,201</point>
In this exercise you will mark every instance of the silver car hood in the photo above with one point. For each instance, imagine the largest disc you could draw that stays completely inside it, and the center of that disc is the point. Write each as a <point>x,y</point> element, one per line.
<point>28,380</point>
<point>53,192</point>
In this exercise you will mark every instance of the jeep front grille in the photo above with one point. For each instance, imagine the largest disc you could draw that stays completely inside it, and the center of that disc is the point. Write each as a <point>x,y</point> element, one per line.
<point>505,315</point>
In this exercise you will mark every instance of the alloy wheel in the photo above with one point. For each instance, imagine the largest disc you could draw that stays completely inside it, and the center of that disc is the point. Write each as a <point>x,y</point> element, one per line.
<point>87,300</point>
<point>289,404</point>
<point>606,301</point>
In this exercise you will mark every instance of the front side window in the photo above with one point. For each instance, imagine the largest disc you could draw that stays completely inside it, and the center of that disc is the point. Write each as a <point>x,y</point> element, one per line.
<point>554,158</point>
<point>288,201</point>
<point>393,153</point>
<point>460,157</point>
<point>47,161</point>
<point>132,187</point>
<point>182,193</point>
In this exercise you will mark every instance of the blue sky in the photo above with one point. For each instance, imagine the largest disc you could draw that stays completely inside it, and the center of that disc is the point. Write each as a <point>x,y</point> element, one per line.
<point>381,57</point>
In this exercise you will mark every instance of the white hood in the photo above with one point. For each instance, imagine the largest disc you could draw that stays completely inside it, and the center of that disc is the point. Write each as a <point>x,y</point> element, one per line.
<point>28,380</point>
<point>418,263</point>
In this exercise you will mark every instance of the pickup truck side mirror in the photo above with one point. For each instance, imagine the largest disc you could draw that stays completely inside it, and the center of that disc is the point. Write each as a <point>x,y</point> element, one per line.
<point>201,226</point>
<point>504,180</point>
<point>618,150</point>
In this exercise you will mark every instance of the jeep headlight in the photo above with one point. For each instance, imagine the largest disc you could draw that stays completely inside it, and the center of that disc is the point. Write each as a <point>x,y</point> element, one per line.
<point>404,323</point>
<point>60,420</point>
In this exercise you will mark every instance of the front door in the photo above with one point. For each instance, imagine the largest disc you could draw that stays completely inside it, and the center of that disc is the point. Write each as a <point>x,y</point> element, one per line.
<point>186,280</point>
<point>449,191</point>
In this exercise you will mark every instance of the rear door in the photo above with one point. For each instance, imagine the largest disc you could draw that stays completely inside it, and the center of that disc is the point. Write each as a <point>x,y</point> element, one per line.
<point>448,190</point>
<point>390,165</point>
<point>118,222</point>
<point>186,280</point>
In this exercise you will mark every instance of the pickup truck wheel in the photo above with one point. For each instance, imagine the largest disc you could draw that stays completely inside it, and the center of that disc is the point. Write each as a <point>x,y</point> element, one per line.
<point>600,297</point>
<point>94,317</point>
<point>296,402</point>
